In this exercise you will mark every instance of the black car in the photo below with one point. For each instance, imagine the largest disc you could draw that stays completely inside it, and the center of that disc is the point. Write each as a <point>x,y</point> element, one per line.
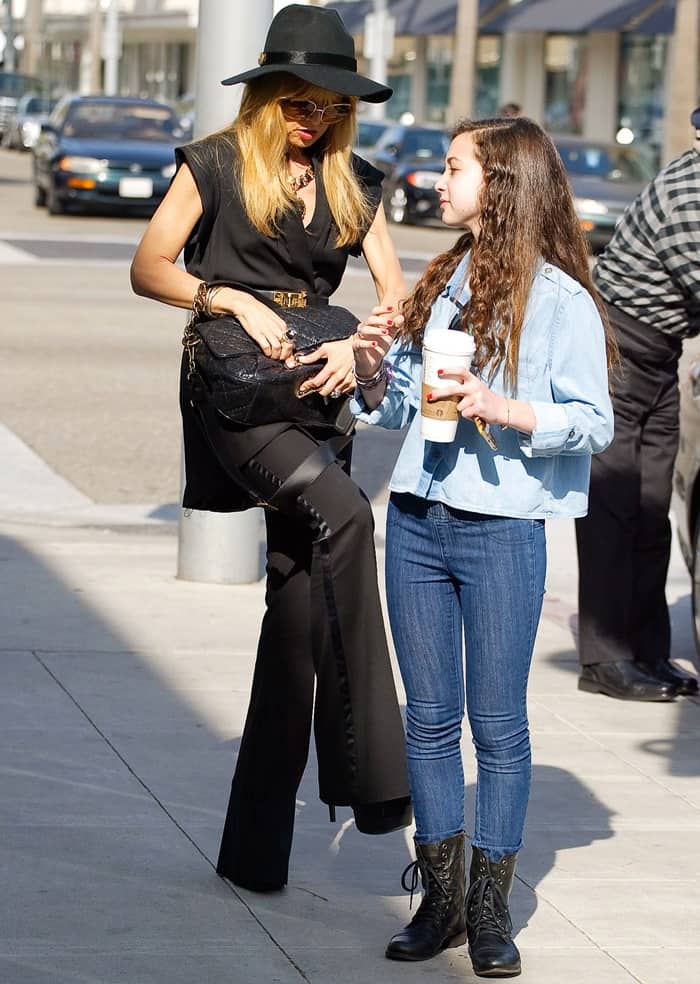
<point>686,486</point>
<point>106,152</point>
<point>412,158</point>
<point>605,179</point>
<point>369,132</point>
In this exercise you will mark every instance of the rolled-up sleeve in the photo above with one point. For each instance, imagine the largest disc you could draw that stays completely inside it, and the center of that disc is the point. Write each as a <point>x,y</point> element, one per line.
<point>579,418</point>
<point>402,396</point>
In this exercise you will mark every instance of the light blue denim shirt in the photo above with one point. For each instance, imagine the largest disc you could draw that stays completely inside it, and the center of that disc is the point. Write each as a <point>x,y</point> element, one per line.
<point>561,373</point>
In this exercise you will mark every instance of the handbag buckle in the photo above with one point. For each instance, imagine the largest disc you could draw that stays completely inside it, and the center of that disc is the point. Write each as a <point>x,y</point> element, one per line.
<point>290,298</point>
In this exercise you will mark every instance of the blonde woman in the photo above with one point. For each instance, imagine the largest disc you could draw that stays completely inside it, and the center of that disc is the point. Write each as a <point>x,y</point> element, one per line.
<point>278,202</point>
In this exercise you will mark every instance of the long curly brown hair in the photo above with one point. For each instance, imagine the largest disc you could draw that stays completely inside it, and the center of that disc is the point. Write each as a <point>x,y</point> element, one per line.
<point>526,215</point>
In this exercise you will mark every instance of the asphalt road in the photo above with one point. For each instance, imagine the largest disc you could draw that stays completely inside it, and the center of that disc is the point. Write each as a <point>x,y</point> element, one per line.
<point>88,371</point>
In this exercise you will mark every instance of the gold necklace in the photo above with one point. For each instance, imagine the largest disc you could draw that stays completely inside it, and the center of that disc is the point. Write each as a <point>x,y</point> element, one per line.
<point>299,182</point>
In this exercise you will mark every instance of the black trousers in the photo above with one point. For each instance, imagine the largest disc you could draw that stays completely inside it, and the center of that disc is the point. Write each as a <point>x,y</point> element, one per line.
<point>322,653</point>
<point>624,542</point>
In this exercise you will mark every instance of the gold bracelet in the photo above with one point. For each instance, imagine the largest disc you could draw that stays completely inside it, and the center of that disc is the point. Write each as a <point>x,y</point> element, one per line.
<point>199,300</point>
<point>210,295</point>
<point>507,423</point>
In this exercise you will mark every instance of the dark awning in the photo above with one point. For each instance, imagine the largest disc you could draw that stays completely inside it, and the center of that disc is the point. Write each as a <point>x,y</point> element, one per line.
<point>411,16</point>
<point>414,17</point>
<point>575,16</point>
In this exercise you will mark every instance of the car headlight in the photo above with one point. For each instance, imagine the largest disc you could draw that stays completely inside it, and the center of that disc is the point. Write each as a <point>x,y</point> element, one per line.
<point>590,206</point>
<point>422,179</point>
<point>30,130</point>
<point>169,170</point>
<point>82,165</point>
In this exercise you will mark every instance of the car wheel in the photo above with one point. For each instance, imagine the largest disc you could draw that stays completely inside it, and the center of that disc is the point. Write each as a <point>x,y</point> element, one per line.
<point>39,196</point>
<point>55,205</point>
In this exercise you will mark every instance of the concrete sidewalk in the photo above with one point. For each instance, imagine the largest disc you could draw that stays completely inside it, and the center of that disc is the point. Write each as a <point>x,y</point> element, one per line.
<point>122,696</point>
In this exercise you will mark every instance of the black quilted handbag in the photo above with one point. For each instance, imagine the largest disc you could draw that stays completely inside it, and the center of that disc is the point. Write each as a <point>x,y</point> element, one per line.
<point>247,387</point>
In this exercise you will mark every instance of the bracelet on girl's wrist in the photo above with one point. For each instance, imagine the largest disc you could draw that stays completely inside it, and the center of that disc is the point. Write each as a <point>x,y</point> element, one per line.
<point>507,423</point>
<point>369,382</point>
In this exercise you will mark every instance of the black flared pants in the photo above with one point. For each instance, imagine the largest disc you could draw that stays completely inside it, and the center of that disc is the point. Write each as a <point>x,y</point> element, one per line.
<point>322,653</point>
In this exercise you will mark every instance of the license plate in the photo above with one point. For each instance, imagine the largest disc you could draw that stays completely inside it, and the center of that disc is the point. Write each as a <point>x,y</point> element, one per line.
<point>136,188</point>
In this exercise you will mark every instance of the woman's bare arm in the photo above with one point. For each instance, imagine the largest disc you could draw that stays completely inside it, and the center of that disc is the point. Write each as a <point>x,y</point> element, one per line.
<point>154,272</point>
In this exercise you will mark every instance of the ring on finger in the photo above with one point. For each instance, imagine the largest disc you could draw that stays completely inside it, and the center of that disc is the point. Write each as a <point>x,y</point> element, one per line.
<point>335,394</point>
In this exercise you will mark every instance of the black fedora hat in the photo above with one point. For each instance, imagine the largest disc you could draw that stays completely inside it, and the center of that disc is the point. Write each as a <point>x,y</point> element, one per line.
<point>331,64</point>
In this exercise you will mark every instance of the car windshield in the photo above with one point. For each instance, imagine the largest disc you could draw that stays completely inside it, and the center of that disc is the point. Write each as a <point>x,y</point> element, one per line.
<point>424,143</point>
<point>36,104</point>
<point>368,133</point>
<point>120,121</point>
<point>609,163</point>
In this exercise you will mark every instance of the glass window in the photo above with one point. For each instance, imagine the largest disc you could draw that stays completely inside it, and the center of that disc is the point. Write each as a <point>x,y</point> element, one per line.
<point>565,82</point>
<point>643,61</point>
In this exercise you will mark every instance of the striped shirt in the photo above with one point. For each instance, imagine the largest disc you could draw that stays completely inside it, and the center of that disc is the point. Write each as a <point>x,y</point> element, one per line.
<point>650,269</point>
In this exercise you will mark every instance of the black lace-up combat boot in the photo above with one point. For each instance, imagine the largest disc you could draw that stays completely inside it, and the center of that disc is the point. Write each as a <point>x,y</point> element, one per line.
<point>440,920</point>
<point>491,946</point>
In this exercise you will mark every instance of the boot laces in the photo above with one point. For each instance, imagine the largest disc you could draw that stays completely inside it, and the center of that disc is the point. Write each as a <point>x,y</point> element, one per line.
<point>487,908</point>
<point>430,877</point>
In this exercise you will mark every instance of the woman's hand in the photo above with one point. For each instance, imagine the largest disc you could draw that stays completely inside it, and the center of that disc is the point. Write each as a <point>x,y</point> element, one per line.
<point>258,320</point>
<point>373,339</point>
<point>336,376</point>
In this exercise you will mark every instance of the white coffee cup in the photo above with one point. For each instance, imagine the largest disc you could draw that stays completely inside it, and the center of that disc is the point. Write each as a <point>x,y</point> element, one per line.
<point>443,348</point>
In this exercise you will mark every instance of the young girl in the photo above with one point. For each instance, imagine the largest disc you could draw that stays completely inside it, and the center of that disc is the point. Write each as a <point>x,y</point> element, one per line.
<point>465,551</point>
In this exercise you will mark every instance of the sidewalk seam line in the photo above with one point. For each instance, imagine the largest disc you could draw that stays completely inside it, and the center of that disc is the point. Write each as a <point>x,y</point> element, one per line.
<point>167,812</point>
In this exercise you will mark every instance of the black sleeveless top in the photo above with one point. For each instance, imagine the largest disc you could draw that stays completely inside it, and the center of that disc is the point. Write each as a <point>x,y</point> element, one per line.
<point>225,246</point>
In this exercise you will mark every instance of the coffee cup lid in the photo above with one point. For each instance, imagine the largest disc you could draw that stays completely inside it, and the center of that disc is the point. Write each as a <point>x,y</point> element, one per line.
<point>449,341</point>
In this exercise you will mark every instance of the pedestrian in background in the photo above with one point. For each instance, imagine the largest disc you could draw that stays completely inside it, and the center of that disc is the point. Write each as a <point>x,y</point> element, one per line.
<point>465,545</point>
<point>649,278</point>
<point>278,202</point>
<point>510,110</point>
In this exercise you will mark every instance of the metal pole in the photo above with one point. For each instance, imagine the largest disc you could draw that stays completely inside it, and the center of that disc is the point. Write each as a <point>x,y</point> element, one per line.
<point>464,61</point>
<point>31,59</point>
<point>223,547</point>
<point>377,41</point>
<point>95,49</point>
<point>681,86</point>
<point>112,45</point>
<point>9,55</point>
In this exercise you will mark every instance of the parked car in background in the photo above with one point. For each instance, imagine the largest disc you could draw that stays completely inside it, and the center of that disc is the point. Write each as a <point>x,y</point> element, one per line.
<point>24,126</point>
<point>686,486</point>
<point>605,179</point>
<point>13,85</point>
<point>105,152</point>
<point>411,157</point>
<point>369,132</point>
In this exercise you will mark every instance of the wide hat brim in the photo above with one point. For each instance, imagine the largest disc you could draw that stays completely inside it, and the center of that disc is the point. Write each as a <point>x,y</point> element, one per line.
<point>339,80</point>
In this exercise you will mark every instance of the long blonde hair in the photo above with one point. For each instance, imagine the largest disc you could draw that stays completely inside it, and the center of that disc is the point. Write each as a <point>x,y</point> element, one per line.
<point>260,136</point>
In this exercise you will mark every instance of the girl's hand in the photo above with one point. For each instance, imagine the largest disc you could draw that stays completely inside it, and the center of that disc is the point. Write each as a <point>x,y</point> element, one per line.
<point>259,321</point>
<point>477,399</point>
<point>336,376</point>
<point>373,339</point>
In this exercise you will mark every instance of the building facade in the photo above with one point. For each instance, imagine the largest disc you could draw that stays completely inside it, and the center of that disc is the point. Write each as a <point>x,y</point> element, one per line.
<point>591,82</point>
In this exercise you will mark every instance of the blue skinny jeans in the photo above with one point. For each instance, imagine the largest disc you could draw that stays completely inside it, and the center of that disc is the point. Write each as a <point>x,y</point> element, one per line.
<point>452,576</point>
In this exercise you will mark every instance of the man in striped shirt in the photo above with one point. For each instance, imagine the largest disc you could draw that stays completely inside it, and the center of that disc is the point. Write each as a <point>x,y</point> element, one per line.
<point>649,279</point>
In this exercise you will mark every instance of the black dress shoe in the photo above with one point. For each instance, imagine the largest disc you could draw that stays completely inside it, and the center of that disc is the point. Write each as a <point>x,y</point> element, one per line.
<point>623,679</point>
<point>664,670</point>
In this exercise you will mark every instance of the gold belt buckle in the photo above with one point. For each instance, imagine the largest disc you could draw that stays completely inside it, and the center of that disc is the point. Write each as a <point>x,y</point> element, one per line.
<point>290,298</point>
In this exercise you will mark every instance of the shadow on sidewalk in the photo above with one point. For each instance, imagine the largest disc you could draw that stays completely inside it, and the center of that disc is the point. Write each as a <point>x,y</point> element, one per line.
<point>116,773</point>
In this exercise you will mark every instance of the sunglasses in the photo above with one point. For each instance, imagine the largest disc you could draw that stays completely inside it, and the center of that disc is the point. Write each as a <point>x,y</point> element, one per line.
<point>304,109</point>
